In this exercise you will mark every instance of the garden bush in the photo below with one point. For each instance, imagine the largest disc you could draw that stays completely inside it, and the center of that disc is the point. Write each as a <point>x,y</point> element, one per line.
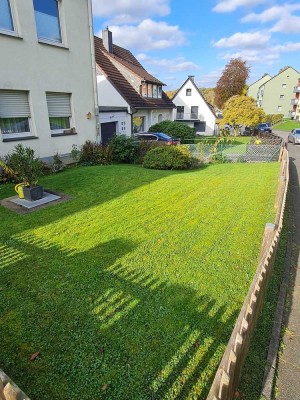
<point>273,118</point>
<point>169,157</point>
<point>93,153</point>
<point>143,147</point>
<point>175,129</point>
<point>123,148</point>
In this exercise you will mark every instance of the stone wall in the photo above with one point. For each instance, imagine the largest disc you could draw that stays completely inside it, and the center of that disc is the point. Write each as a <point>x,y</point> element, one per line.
<point>9,390</point>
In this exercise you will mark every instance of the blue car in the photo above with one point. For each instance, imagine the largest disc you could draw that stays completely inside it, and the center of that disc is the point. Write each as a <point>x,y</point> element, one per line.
<point>157,137</point>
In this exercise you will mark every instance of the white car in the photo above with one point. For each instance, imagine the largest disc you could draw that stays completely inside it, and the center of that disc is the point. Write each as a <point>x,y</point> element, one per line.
<point>294,136</point>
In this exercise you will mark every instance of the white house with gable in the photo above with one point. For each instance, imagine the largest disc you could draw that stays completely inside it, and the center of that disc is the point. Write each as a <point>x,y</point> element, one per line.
<point>193,110</point>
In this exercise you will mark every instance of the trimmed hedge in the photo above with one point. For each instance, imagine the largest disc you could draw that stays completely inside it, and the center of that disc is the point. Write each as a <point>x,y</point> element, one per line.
<point>178,130</point>
<point>123,148</point>
<point>168,157</point>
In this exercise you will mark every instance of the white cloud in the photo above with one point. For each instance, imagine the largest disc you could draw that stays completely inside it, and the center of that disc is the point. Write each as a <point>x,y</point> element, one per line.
<point>288,24</point>
<point>129,11</point>
<point>232,5</point>
<point>170,65</point>
<point>148,35</point>
<point>272,13</point>
<point>210,79</point>
<point>254,56</point>
<point>244,40</point>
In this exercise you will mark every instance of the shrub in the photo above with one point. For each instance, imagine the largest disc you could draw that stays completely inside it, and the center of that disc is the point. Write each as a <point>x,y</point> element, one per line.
<point>75,154</point>
<point>27,167</point>
<point>57,164</point>
<point>175,129</point>
<point>273,118</point>
<point>218,159</point>
<point>123,148</point>
<point>143,147</point>
<point>168,157</point>
<point>93,153</point>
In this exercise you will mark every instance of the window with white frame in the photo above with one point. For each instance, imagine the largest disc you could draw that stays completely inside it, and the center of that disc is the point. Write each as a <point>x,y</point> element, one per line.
<point>14,114</point>
<point>283,85</point>
<point>59,111</point>
<point>188,92</point>
<point>6,21</point>
<point>47,20</point>
<point>281,96</point>
<point>279,108</point>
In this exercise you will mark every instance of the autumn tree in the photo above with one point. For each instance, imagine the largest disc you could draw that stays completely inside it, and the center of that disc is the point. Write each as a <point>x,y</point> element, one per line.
<point>232,81</point>
<point>241,110</point>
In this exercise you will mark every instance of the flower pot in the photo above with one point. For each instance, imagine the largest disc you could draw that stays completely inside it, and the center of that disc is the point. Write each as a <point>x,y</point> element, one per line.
<point>33,193</point>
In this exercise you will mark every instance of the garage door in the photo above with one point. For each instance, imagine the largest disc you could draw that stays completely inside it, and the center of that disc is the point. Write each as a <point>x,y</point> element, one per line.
<point>107,131</point>
<point>200,126</point>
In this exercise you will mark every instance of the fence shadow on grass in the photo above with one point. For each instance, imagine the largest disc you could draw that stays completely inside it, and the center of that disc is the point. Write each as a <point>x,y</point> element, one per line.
<point>103,328</point>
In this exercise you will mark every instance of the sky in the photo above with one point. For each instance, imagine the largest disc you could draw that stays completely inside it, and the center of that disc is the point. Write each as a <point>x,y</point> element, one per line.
<point>173,39</point>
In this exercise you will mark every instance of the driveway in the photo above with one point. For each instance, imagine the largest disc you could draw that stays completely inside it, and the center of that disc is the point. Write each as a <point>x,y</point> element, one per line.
<point>288,382</point>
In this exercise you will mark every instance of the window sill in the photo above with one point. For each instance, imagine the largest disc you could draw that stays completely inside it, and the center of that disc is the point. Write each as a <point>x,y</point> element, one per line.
<point>60,45</point>
<point>10,34</point>
<point>63,134</point>
<point>16,139</point>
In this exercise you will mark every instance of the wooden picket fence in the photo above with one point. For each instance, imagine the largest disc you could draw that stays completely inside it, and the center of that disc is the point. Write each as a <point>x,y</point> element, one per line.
<point>228,374</point>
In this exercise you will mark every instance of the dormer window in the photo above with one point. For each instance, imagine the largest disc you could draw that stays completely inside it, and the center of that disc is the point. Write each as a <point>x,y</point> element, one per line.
<point>188,92</point>
<point>151,90</point>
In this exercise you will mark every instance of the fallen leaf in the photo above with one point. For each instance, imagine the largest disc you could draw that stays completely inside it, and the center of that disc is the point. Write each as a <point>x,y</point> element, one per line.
<point>34,356</point>
<point>104,387</point>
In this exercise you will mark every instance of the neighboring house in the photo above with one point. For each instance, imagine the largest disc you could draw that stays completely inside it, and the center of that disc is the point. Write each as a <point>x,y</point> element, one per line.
<point>123,84</point>
<point>254,88</point>
<point>48,96</point>
<point>193,110</point>
<point>274,95</point>
<point>295,103</point>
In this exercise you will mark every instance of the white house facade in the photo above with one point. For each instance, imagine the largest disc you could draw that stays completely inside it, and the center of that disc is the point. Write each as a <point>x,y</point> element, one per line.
<point>193,110</point>
<point>48,94</point>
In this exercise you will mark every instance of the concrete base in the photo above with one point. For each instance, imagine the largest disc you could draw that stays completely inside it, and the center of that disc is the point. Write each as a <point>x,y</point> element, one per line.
<point>48,198</point>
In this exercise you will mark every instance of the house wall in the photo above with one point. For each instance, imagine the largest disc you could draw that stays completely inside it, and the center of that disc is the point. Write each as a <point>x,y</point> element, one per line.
<point>270,98</point>
<point>122,119</point>
<point>152,117</point>
<point>27,64</point>
<point>254,88</point>
<point>107,94</point>
<point>204,111</point>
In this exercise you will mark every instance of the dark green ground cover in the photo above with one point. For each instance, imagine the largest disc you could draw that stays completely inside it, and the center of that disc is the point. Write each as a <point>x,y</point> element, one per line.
<point>131,289</point>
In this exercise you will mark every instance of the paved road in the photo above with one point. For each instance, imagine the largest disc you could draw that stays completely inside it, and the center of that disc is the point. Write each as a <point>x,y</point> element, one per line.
<point>289,360</point>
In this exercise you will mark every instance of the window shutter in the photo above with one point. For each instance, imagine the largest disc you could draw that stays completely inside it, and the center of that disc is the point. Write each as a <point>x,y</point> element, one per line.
<point>14,104</point>
<point>59,104</point>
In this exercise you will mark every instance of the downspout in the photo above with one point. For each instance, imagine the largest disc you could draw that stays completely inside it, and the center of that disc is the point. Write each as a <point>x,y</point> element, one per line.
<point>93,60</point>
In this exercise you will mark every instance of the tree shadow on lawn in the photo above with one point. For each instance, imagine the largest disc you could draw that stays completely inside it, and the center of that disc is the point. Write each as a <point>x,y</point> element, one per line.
<point>89,186</point>
<point>105,331</point>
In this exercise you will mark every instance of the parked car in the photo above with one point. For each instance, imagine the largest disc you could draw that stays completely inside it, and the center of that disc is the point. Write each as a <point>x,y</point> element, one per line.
<point>294,136</point>
<point>157,137</point>
<point>248,131</point>
<point>263,128</point>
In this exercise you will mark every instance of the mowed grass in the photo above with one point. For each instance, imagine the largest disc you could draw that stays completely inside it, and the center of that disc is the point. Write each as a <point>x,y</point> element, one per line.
<point>287,125</point>
<point>131,289</point>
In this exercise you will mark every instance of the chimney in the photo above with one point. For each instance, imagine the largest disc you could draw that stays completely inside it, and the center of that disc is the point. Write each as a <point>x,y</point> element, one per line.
<point>107,40</point>
<point>192,77</point>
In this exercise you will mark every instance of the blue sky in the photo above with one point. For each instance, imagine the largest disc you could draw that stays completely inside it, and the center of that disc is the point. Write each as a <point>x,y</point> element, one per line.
<point>174,39</point>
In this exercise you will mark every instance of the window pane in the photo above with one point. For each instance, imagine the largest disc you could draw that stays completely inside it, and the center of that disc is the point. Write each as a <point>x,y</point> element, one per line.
<point>14,125</point>
<point>154,90</point>
<point>5,16</point>
<point>47,19</point>
<point>149,90</point>
<point>159,91</point>
<point>59,123</point>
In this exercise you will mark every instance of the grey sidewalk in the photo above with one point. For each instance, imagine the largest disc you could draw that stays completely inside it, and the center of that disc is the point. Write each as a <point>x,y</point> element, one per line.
<point>288,383</point>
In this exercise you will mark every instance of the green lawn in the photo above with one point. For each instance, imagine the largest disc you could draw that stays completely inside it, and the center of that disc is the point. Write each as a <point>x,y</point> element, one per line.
<point>131,289</point>
<point>287,125</point>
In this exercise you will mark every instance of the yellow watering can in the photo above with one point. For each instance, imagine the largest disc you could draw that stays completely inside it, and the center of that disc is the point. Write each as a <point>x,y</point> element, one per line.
<point>19,189</point>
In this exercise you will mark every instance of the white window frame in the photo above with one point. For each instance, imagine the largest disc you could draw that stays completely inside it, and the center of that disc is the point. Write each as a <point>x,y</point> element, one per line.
<point>61,31</point>
<point>62,131</point>
<point>19,135</point>
<point>279,108</point>
<point>188,90</point>
<point>283,85</point>
<point>12,13</point>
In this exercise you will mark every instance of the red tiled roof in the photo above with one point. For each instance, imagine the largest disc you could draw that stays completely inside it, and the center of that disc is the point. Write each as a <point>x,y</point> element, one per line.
<point>121,84</point>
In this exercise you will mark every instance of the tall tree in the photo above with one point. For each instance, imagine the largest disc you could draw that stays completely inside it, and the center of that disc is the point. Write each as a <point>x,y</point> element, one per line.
<point>241,110</point>
<point>232,81</point>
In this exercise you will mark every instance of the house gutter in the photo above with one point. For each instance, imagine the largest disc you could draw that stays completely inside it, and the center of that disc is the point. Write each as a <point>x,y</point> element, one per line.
<point>93,59</point>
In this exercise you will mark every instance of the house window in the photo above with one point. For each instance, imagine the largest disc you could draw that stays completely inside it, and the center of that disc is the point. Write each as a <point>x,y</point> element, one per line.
<point>154,91</point>
<point>180,112</point>
<point>283,85</point>
<point>47,20</point>
<point>188,92</point>
<point>138,124</point>
<point>14,114</point>
<point>281,96</point>
<point>194,112</point>
<point>279,108</point>
<point>144,90</point>
<point>59,111</point>
<point>159,92</point>
<point>149,90</point>
<point>6,21</point>
<point>160,117</point>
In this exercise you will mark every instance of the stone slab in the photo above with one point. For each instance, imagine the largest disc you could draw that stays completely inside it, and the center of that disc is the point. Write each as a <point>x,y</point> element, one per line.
<point>47,198</point>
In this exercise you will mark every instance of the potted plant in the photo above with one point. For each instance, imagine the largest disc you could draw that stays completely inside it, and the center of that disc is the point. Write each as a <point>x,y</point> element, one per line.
<point>28,168</point>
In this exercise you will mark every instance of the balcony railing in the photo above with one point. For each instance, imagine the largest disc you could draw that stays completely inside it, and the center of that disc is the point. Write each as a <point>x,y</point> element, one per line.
<point>294,102</point>
<point>297,89</point>
<point>189,116</point>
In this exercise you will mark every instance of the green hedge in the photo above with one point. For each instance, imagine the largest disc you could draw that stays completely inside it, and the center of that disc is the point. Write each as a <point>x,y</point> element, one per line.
<point>175,129</point>
<point>169,157</point>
